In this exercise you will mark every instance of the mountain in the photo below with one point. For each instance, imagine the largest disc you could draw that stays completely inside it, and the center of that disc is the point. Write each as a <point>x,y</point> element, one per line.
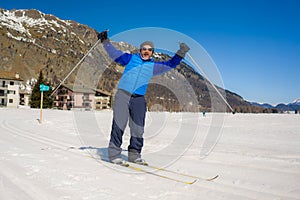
<point>32,41</point>
<point>264,105</point>
<point>295,105</point>
<point>296,102</point>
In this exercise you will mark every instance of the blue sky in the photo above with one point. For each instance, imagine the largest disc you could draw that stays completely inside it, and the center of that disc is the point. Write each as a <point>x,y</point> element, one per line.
<point>254,43</point>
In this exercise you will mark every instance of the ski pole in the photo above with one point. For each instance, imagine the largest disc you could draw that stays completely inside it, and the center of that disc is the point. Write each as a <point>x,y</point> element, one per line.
<point>202,71</point>
<point>76,66</point>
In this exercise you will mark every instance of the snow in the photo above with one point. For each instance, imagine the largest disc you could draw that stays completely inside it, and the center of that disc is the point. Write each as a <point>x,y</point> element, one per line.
<point>296,101</point>
<point>257,157</point>
<point>21,23</point>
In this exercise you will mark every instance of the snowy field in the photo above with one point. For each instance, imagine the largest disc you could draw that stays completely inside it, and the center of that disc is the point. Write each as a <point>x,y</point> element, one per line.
<point>257,156</point>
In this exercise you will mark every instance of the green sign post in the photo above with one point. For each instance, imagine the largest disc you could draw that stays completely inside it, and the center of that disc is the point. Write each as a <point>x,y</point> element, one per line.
<point>43,88</point>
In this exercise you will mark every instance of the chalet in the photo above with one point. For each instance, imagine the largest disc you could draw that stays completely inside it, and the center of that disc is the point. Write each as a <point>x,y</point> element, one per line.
<point>68,97</point>
<point>102,100</point>
<point>9,89</point>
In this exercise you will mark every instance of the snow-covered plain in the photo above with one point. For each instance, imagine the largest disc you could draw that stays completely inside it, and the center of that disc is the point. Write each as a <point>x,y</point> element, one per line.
<point>257,156</point>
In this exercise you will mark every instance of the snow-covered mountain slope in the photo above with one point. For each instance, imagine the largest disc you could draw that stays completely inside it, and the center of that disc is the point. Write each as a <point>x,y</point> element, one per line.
<point>296,102</point>
<point>32,41</point>
<point>26,25</point>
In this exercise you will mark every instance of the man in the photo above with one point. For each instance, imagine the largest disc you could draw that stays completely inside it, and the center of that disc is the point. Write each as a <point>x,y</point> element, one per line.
<point>129,101</point>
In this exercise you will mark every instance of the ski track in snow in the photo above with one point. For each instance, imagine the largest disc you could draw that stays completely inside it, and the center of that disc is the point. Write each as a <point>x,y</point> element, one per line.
<point>257,157</point>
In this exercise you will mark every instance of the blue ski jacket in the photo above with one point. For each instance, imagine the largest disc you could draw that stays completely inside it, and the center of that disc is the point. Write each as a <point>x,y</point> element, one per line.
<point>138,72</point>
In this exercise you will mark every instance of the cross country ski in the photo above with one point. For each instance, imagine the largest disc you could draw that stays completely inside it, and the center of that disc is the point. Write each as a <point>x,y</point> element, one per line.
<point>154,170</point>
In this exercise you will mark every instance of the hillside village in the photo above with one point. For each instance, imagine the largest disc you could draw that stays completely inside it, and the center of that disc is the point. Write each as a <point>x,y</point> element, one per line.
<point>14,94</point>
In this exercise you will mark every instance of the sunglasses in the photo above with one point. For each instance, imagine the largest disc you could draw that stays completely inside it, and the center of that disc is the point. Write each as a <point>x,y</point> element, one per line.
<point>149,49</point>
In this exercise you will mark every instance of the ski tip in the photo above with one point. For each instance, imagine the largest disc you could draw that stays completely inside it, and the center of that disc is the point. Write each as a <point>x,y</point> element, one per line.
<point>191,182</point>
<point>213,178</point>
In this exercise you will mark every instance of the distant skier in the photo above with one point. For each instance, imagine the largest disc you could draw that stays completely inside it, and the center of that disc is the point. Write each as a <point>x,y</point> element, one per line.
<point>204,113</point>
<point>129,101</point>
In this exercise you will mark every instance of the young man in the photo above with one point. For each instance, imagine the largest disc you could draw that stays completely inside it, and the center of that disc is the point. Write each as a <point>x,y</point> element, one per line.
<point>129,101</point>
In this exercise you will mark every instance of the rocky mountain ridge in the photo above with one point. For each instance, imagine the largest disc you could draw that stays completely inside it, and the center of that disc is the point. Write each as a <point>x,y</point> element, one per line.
<point>32,41</point>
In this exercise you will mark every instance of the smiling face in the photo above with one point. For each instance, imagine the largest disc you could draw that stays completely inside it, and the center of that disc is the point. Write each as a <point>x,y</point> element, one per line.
<point>146,52</point>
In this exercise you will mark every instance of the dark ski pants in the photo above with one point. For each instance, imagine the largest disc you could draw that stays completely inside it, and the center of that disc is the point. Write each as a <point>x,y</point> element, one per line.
<point>132,108</point>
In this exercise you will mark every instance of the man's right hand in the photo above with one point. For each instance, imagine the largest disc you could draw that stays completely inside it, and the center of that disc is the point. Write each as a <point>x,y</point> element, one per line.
<point>102,36</point>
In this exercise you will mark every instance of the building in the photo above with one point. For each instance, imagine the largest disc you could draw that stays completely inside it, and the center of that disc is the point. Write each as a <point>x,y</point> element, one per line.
<point>64,98</point>
<point>9,89</point>
<point>24,97</point>
<point>68,97</point>
<point>102,100</point>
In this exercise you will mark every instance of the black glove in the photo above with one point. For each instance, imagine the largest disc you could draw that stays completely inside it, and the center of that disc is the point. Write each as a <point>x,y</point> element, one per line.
<point>102,36</point>
<point>183,50</point>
